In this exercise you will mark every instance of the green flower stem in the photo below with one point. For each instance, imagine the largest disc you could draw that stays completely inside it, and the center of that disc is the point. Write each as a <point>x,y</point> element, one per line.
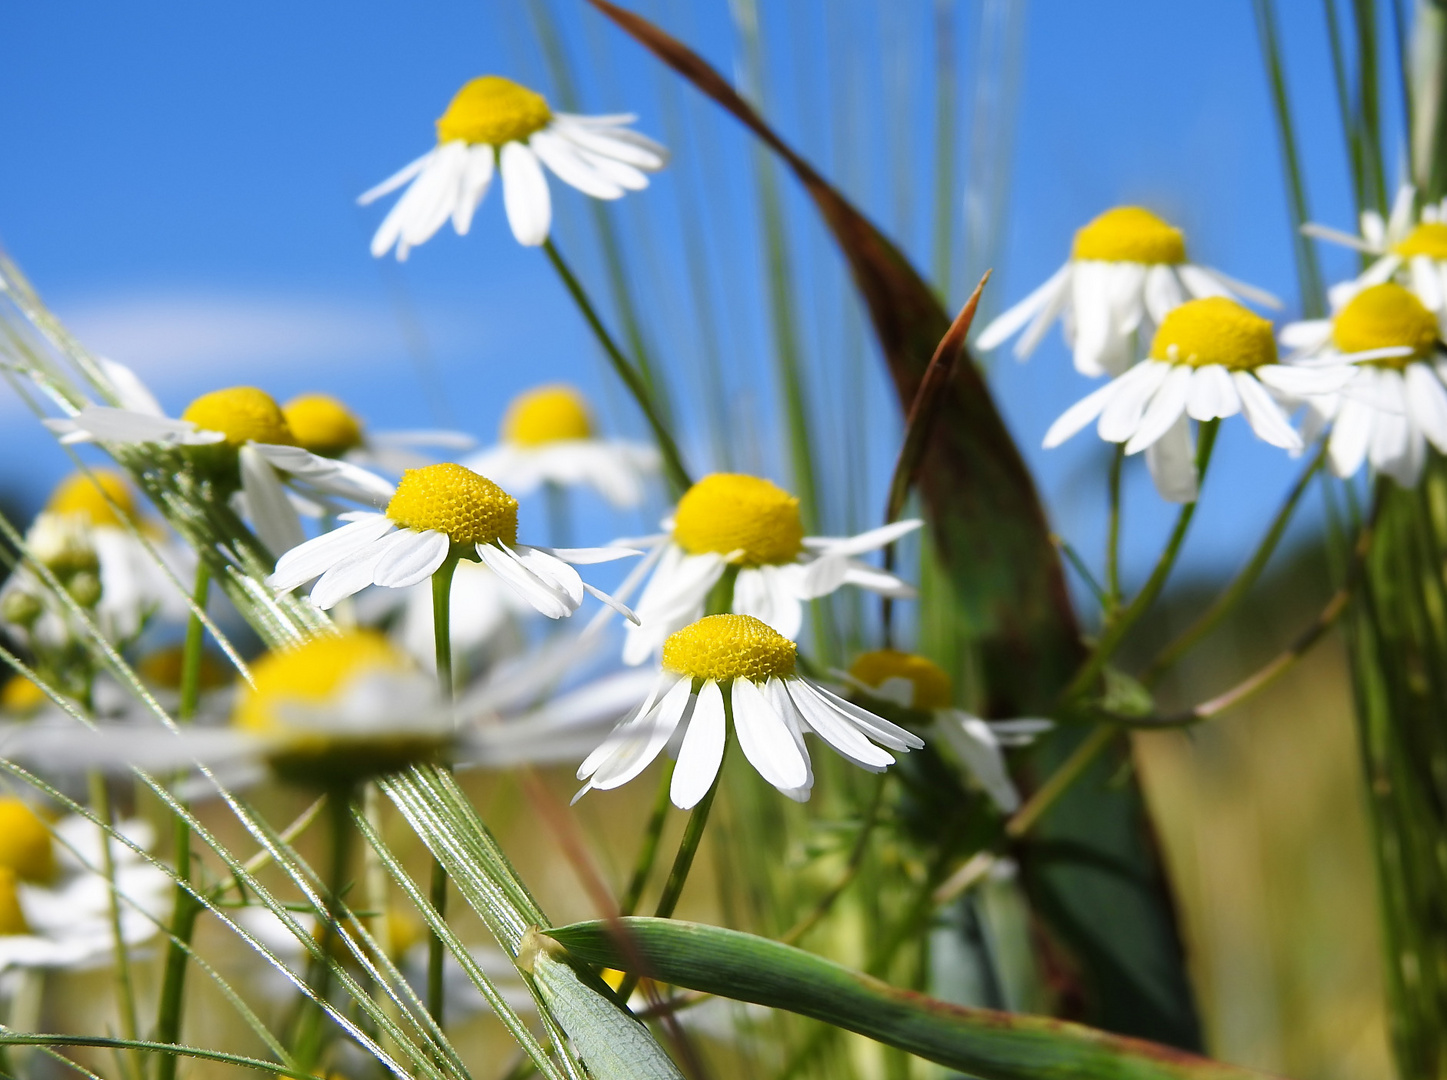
<point>648,852</point>
<point>185,908</point>
<point>1060,781</point>
<point>437,886</point>
<point>1238,588</point>
<point>125,988</point>
<point>1112,541</point>
<point>1115,631</point>
<point>678,477</point>
<point>312,1029</point>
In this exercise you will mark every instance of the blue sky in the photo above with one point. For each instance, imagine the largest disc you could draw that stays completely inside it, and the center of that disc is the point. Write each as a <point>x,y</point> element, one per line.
<point>179,183</point>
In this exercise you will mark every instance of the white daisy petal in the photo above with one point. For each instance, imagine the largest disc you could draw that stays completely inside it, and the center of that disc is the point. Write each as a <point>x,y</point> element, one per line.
<point>396,180</point>
<point>476,179</point>
<point>1350,435</point>
<point>409,557</point>
<point>1079,415</point>
<point>635,744</point>
<point>544,596</point>
<point>702,751</point>
<point>1212,394</point>
<point>1427,403</point>
<point>350,576</point>
<point>1166,408</point>
<point>1120,419</point>
<point>571,167</point>
<point>1241,288</point>
<point>589,556</point>
<point>525,194</point>
<point>625,147</point>
<point>1005,325</point>
<point>765,738</point>
<point>1306,334</point>
<point>1264,415</point>
<point>131,393</point>
<point>316,556</point>
<point>1425,281</point>
<point>833,728</point>
<point>871,540</point>
<point>1163,291</point>
<point>876,727</point>
<point>273,518</point>
<point>1171,460</point>
<point>765,593</point>
<point>971,738</point>
<point>551,570</point>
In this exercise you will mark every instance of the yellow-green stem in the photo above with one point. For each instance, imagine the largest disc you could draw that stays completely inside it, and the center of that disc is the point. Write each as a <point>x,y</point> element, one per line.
<point>437,886</point>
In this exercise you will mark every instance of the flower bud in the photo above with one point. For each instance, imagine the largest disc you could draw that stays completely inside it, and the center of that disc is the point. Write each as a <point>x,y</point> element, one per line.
<point>85,588</point>
<point>20,607</point>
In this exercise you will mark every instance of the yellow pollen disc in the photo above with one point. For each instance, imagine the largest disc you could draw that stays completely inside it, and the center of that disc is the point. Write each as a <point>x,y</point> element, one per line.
<point>469,508</point>
<point>722,648</point>
<point>319,671</point>
<point>21,697</point>
<point>1129,234</point>
<point>1428,238</point>
<point>547,414</point>
<point>243,414</point>
<point>1382,317</point>
<point>26,847</point>
<point>493,110</point>
<point>322,424</point>
<point>1214,331</point>
<point>12,916</point>
<point>85,494</point>
<point>931,684</point>
<point>728,512</point>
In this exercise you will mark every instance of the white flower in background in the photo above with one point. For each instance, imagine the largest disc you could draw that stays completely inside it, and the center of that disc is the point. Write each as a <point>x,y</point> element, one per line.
<point>916,682</point>
<point>55,905</point>
<point>1396,403</point>
<point>82,537</point>
<point>435,512</point>
<point>324,426</point>
<point>1210,359</point>
<point>1127,268</point>
<point>735,667</point>
<point>548,437</point>
<point>729,519</point>
<point>240,438</point>
<point>493,124</point>
<point>1410,249</point>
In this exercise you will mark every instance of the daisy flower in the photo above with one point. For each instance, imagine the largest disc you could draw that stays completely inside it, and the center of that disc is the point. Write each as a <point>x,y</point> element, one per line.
<point>1410,249</point>
<point>322,425</point>
<point>436,513</point>
<point>55,906</point>
<point>493,124</point>
<point>735,670</point>
<point>915,682</point>
<point>1210,359</point>
<point>238,439</point>
<point>1127,268</point>
<point>1396,403</point>
<point>548,437</point>
<point>731,520</point>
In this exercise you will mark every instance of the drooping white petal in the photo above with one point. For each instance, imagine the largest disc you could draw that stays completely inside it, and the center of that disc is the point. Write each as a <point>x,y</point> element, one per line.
<point>1163,291</point>
<point>702,751</point>
<point>627,147</point>
<point>409,557</point>
<point>764,593</point>
<point>396,180</point>
<point>1350,435</point>
<point>881,582</point>
<point>1171,460</point>
<point>351,575</point>
<point>328,474</point>
<point>1240,288</point>
<point>1121,417</point>
<point>1056,306</point>
<point>1075,418</point>
<point>273,518</point>
<point>1300,382</point>
<point>131,393</point>
<point>1336,236</point>
<point>552,570</point>
<point>832,727</point>
<point>590,556</point>
<point>634,744</point>
<point>1264,415</point>
<point>1427,403</point>
<point>545,596</point>
<point>876,727</point>
<point>1305,334</point>
<point>973,741</point>
<point>525,194</point>
<point>1005,325</point>
<point>871,540</point>
<point>108,424</point>
<point>571,167</point>
<point>613,602</point>
<point>476,179</point>
<point>765,738</point>
<point>1425,282</point>
<point>1165,408</point>
<point>320,554</point>
<point>1212,394</point>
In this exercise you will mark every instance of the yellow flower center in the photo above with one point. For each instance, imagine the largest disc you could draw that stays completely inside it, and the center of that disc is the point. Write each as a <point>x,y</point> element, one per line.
<point>26,847</point>
<point>728,512</point>
<point>243,414</point>
<point>931,684</point>
<point>493,110</point>
<point>21,697</point>
<point>12,916</point>
<point>322,424</point>
<point>1428,238</point>
<point>1214,331</point>
<point>722,648</point>
<point>1130,234</point>
<point>1383,317</point>
<point>547,414</point>
<point>470,509</point>
<point>85,494</point>
<point>312,674</point>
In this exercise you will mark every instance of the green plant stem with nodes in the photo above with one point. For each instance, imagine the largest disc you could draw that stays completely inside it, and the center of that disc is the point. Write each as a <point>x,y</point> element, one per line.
<point>1116,630</point>
<point>678,478</point>
<point>100,799</point>
<point>311,1031</point>
<point>1241,585</point>
<point>185,909</point>
<point>437,887</point>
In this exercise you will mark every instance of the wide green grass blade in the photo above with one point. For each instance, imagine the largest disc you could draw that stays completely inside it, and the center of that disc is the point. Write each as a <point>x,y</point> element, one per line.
<point>982,1042</point>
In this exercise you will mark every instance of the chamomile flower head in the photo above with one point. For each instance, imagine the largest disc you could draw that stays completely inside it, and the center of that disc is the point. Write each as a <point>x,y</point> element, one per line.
<point>735,520</point>
<point>1127,269</point>
<point>736,668</point>
<point>321,424</point>
<point>55,904</point>
<point>436,513</point>
<point>1209,360</point>
<point>239,441</point>
<point>548,436</point>
<point>916,682</point>
<point>495,125</point>
<point>1410,249</point>
<point>1396,402</point>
